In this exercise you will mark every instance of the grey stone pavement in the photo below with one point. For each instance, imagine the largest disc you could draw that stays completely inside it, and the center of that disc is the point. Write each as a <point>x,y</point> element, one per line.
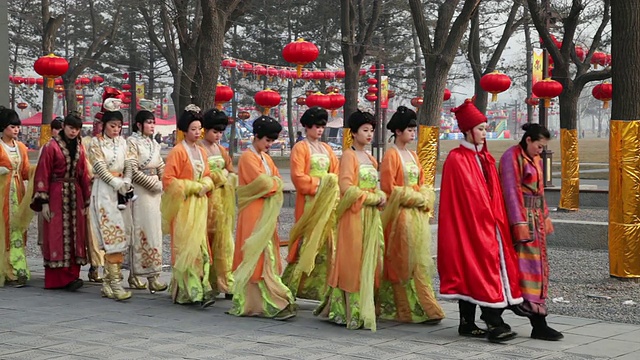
<point>50,324</point>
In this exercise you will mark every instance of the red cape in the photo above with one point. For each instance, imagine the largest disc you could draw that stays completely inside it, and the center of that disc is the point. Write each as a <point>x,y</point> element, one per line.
<point>476,258</point>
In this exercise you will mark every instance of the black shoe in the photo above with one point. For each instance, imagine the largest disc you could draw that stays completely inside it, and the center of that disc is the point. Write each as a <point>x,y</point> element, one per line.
<point>74,285</point>
<point>546,333</point>
<point>228,296</point>
<point>500,334</point>
<point>205,304</point>
<point>471,330</point>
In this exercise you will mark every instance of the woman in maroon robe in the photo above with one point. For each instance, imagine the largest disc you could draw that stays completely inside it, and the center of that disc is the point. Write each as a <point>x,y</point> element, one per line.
<point>62,191</point>
<point>476,260</point>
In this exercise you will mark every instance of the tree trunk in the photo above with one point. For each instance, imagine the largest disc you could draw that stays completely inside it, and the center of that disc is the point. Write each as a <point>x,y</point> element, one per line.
<point>50,27</point>
<point>570,174</point>
<point>210,48</point>
<point>429,113</point>
<point>624,142</point>
<point>417,60</point>
<point>529,60</point>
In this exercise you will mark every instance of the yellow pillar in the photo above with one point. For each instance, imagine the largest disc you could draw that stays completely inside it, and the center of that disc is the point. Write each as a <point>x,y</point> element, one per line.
<point>45,134</point>
<point>570,187</point>
<point>624,199</point>
<point>428,152</point>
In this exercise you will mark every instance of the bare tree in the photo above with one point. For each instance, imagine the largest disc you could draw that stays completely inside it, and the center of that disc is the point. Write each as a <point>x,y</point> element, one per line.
<point>101,39</point>
<point>475,50</point>
<point>357,30</point>
<point>566,64</point>
<point>50,25</point>
<point>439,49</point>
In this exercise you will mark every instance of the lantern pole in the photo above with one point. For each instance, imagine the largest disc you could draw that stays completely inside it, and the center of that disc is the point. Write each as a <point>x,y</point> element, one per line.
<point>547,155</point>
<point>4,44</point>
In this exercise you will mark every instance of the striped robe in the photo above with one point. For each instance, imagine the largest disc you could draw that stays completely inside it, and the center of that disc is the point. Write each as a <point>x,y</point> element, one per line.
<point>523,190</point>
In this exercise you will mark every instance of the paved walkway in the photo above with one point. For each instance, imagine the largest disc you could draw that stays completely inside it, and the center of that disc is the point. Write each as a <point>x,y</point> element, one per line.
<point>47,324</point>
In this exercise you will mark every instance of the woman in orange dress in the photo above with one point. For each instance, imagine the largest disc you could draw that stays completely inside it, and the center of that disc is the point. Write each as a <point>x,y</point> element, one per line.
<point>357,267</point>
<point>184,214</point>
<point>314,169</point>
<point>406,293</point>
<point>222,202</point>
<point>14,170</point>
<point>257,288</point>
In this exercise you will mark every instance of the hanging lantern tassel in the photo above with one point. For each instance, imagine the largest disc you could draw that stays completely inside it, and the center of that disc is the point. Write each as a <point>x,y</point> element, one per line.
<point>299,70</point>
<point>605,103</point>
<point>219,105</point>
<point>494,97</point>
<point>266,110</point>
<point>547,102</point>
<point>51,81</point>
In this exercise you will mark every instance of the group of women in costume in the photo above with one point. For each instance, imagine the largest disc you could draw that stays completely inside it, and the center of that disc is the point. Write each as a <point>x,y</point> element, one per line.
<point>360,244</point>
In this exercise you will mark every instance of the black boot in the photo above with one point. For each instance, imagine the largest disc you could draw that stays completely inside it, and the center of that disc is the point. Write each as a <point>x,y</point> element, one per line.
<point>498,330</point>
<point>468,325</point>
<point>542,331</point>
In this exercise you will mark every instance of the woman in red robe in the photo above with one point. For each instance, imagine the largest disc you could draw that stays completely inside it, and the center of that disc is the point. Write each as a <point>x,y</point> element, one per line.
<point>62,196</point>
<point>476,261</point>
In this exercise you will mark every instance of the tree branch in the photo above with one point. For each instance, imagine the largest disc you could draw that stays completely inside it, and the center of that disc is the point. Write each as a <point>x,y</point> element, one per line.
<point>445,14</point>
<point>422,28</point>
<point>458,28</point>
<point>539,23</point>
<point>597,37</point>
<point>473,47</point>
<point>368,33</point>
<point>580,81</point>
<point>509,28</point>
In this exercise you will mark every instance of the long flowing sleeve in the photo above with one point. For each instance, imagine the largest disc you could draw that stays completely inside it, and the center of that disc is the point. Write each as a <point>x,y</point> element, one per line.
<point>304,183</point>
<point>96,157</point>
<point>389,171</point>
<point>131,155</point>
<point>250,167</point>
<point>25,164</point>
<point>84,177</point>
<point>137,176</point>
<point>42,178</point>
<point>511,181</point>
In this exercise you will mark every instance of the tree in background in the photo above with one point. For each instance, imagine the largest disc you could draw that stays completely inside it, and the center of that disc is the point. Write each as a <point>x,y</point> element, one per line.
<point>439,48</point>
<point>573,73</point>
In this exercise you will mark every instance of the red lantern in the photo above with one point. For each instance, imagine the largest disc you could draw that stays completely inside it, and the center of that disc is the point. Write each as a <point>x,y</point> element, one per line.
<point>127,94</point>
<point>22,105</point>
<point>604,93</point>
<point>580,53</point>
<point>126,101</point>
<point>97,80</point>
<point>229,64</point>
<point>329,75</point>
<point>362,72</point>
<point>373,69</point>
<point>532,101</point>
<point>301,53</point>
<point>319,99</point>
<point>317,75</point>
<point>244,115</point>
<point>245,68</point>
<point>60,96</point>
<point>125,76</point>
<point>51,67</point>
<point>96,104</point>
<point>126,87</point>
<point>30,81</point>
<point>18,80</point>
<point>79,97</point>
<point>259,70</point>
<point>391,94</point>
<point>371,97</point>
<point>547,89</point>
<point>372,89</point>
<point>58,81</point>
<point>447,94</point>
<point>336,101</point>
<point>223,94</point>
<point>598,58</point>
<point>495,83</point>
<point>307,75</point>
<point>302,101</point>
<point>607,61</point>
<point>271,72</point>
<point>372,81</point>
<point>267,99</point>
<point>340,74</point>
<point>58,89</point>
<point>40,81</point>
<point>283,74</point>
<point>332,89</point>
<point>416,102</point>
<point>85,81</point>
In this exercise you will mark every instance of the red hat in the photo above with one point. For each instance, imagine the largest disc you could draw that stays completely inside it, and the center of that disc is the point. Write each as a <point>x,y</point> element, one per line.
<point>468,116</point>
<point>109,93</point>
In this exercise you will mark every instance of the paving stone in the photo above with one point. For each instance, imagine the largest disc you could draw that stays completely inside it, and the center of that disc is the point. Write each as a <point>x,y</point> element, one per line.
<point>569,341</point>
<point>36,354</point>
<point>521,351</point>
<point>606,348</point>
<point>628,336</point>
<point>602,329</point>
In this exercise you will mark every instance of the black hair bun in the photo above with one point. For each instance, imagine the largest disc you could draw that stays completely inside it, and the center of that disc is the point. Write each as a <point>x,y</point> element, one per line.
<point>314,116</point>
<point>402,119</point>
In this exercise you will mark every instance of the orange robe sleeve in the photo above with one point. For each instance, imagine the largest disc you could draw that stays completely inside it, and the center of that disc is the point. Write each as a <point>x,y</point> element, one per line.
<point>172,169</point>
<point>391,174</point>
<point>345,273</point>
<point>25,164</point>
<point>300,166</point>
<point>228,161</point>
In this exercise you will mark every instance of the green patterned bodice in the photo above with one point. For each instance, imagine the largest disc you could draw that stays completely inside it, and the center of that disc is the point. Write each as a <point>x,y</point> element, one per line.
<point>319,165</point>
<point>216,162</point>
<point>367,177</point>
<point>412,173</point>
